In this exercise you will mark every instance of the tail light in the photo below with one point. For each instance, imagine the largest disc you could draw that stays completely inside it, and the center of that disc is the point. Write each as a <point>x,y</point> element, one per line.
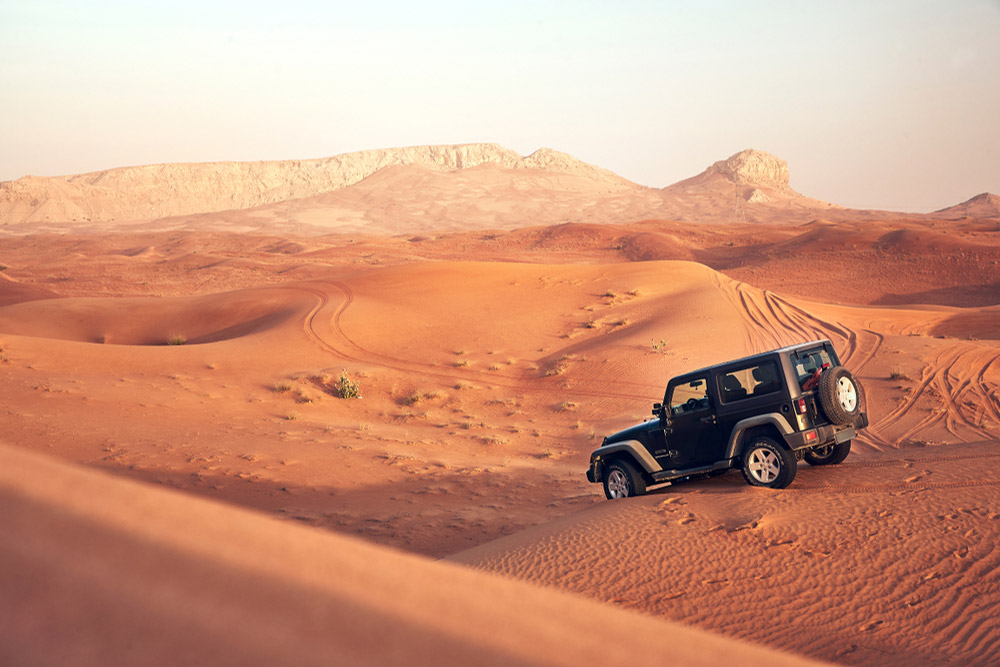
<point>800,405</point>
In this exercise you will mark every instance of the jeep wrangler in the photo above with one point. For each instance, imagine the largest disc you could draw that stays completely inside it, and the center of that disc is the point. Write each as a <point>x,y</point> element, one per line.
<point>762,414</point>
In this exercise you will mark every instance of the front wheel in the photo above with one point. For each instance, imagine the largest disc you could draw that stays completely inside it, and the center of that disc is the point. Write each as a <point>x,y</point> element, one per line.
<point>768,464</point>
<point>622,480</point>
<point>828,455</point>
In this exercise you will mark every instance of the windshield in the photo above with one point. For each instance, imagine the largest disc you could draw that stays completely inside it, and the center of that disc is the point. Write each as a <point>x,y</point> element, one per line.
<point>689,397</point>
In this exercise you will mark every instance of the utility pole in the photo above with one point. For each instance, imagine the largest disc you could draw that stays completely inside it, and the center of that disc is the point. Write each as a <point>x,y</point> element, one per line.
<point>739,210</point>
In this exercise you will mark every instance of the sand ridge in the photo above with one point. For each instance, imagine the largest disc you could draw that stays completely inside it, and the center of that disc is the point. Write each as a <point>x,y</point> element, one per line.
<point>107,571</point>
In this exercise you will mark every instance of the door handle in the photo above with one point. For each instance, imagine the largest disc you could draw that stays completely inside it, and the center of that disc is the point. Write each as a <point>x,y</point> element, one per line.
<point>708,420</point>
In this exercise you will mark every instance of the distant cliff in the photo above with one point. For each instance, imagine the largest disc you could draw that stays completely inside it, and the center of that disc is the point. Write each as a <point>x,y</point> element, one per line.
<point>155,191</point>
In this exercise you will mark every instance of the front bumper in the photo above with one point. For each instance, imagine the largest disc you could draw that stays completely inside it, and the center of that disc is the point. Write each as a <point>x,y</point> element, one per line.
<point>595,472</point>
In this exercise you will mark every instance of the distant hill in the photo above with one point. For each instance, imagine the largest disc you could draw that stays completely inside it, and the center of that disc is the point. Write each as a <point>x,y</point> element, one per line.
<point>985,205</point>
<point>156,191</point>
<point>421,189</point>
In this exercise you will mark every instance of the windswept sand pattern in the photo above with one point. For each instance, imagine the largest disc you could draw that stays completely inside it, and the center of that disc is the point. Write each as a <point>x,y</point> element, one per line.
<point>906,577</point>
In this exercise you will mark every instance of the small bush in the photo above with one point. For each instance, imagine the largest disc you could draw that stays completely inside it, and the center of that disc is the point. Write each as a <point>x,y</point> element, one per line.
<point>176,339</point>
<point>414,398</point>
<point>898,374</point>
<point>282,387</point>
<point>559,367</point>
<point>660,347</point>
<point>346,387</point>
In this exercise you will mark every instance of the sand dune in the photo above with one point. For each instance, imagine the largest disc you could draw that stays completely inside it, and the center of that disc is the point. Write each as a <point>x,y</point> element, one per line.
<point>101,571</point>
<point>890,560</point>
<point>154,321</point>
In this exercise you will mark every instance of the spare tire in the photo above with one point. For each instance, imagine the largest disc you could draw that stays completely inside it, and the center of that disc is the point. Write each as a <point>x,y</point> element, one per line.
<point>839,395</point>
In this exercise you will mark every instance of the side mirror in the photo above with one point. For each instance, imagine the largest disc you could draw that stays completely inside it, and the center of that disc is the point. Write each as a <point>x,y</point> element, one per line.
<point>657,409</point>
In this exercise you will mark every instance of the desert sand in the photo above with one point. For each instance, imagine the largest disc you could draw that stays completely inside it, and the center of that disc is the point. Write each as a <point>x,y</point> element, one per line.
<point>170,414</point>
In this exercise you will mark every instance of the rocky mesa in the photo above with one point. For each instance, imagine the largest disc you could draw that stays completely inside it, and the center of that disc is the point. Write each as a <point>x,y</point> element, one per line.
<point>161,190</point>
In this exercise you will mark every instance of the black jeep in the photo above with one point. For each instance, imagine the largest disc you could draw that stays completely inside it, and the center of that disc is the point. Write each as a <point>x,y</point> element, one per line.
<point>761,414</point>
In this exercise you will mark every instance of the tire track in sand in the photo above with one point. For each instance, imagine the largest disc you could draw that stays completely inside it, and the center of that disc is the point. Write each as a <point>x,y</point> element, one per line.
<point>346,348</point>
<point>953,391</point>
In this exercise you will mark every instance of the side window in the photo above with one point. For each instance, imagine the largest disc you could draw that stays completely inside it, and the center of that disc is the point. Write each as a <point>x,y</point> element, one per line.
<point>689,397</point>
<point>746,382</point>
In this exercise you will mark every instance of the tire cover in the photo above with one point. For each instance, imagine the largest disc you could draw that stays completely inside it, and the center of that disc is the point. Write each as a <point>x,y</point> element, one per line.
<point>839,395</point>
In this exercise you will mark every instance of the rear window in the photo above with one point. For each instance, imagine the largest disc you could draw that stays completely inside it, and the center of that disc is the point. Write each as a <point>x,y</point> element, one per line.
<point>808,362</point>
<point>751,381</point>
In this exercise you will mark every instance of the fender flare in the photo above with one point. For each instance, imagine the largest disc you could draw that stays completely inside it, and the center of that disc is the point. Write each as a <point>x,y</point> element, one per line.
<point>634,448</point>
<point>774,419</point>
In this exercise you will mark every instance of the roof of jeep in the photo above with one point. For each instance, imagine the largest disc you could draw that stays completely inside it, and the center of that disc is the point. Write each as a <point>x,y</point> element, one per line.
<point>752,357</point>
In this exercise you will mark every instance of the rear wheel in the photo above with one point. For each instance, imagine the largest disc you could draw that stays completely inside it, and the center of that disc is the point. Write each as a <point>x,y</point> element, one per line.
<point>622,480</point>
<point>828,455</point>
<point>768,464</point>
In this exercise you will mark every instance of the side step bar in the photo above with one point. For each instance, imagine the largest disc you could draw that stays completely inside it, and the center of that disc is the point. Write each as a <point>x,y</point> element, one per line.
<point>667,475</point>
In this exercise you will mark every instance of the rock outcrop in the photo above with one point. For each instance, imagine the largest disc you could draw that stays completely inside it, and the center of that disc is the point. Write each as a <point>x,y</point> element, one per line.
<point>156,191</point>
<point>753,167</point>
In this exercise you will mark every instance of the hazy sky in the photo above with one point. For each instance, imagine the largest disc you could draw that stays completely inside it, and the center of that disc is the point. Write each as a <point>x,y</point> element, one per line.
<point>892,104</point>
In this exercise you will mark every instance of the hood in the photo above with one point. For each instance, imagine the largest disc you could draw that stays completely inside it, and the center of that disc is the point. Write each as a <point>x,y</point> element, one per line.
<point>637,432</point>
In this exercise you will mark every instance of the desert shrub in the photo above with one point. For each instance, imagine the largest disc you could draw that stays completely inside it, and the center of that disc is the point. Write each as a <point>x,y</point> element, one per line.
<point>176,339</point>
<point>414,398</point>
<point>559,367</point>
<point>346,387</point>
<point>897,373</point>
<point>282,387</point>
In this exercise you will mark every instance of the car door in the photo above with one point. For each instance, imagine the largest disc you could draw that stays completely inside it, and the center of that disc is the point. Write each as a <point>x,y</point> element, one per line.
<point>693,435</point>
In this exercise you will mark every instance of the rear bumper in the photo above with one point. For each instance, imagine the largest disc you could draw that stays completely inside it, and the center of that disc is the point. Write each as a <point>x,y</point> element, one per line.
<point>827,434</point>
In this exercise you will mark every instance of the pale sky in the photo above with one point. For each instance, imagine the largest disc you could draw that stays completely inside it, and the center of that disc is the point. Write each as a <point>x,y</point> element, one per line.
<point>889,104</point>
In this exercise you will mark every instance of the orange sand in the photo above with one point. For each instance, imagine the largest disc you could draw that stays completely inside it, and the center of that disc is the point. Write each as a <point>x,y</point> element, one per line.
<point>496,338</point>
